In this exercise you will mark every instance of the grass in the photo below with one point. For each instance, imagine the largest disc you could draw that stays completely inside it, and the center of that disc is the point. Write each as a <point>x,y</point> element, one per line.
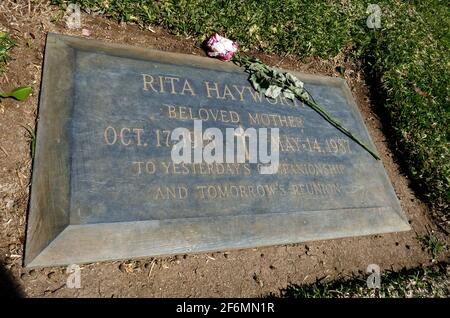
<point>418,282</point>
<point>6,43</point>
<point>432,245</point>
<point>407,59</point>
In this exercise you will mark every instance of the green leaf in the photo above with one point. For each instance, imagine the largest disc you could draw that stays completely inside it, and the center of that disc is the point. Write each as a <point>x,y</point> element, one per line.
<point>260,81</point>
<point>254,60</point>
<point>277,76</point>
<point>273,91</point>
<point>254,81</point>
<point>288,94</point>
<point>294,80</point>
<point>257,67</point>
<point>20,93</point>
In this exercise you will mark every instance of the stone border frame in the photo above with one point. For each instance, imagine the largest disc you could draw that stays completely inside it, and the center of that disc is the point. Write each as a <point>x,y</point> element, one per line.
<point>52,240</point>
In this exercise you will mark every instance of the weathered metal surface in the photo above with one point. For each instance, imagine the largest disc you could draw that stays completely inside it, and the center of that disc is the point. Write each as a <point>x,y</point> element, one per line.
<point>104,186</point>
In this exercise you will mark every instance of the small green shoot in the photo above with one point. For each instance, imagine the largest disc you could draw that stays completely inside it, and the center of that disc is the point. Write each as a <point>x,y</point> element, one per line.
<point>432,245</point>
<point>6,43</point>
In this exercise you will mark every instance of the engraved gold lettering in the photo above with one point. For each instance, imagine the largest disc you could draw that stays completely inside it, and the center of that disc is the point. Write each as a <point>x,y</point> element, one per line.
<point>240,92</point>
<point>161,84</point>
<point>227,92</point>
<point>171,193</point>
<point>148,82</point>
<point>172,84</point>
<point>223,115</point>
<point>190,114</point>
<point>203,114</point>
<point>171,111</point>
<point>150,167</point>
<point>138,132</point>
<point>106,133</point>
<point>234,117</point>
<point>139,164</point>
<point>166,166</point>
<point>215,89</point>
<point>214,114</point>
<point>187,87</point>
<point>182,111</point>
<point>257,96</point>
<point>122,136</point>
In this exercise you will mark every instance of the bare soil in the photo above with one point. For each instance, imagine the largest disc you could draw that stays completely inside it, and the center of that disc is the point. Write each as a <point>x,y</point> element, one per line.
<point>240,273</point>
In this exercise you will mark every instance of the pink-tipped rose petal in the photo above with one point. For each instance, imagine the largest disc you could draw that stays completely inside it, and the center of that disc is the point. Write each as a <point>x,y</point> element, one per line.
<point>221,48</point>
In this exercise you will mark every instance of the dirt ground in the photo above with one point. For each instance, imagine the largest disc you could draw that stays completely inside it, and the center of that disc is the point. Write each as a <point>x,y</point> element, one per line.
<point>243,273</point>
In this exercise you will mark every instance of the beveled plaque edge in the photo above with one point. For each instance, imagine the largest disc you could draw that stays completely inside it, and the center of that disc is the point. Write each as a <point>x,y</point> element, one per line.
<point>79,244</point>
<point>55,250</point>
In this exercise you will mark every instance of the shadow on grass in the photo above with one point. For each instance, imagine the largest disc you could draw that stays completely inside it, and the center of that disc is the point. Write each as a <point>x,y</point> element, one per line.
<point>378,98</point>
<point>414,282</point>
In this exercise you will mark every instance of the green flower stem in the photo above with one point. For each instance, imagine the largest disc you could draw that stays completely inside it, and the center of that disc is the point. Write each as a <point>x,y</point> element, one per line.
<point>306,99</point>
<point>338,125</point>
